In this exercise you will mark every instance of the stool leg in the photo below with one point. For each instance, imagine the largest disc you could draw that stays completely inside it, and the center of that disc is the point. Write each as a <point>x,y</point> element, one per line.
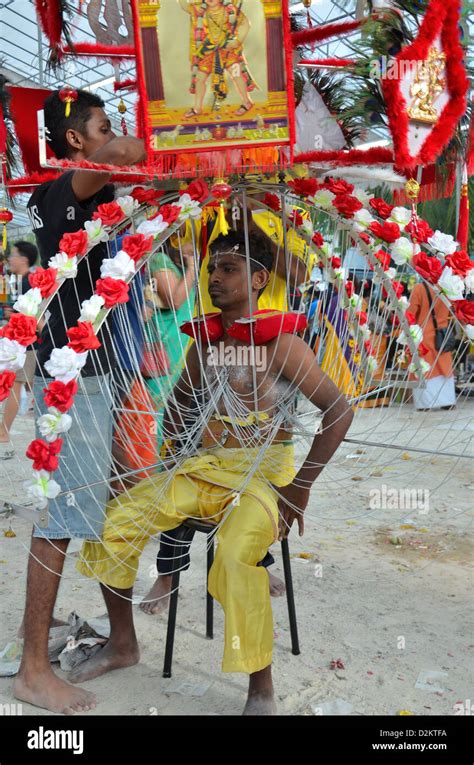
<point>173,607</point>
<point>209,598</point>
<point>290,597</point>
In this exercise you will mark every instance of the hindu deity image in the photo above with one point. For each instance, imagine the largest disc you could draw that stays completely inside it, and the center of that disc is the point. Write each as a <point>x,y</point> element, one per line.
<point>218,32</point>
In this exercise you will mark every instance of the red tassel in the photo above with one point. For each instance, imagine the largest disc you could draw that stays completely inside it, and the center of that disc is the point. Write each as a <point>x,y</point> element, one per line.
<point>463,223</point>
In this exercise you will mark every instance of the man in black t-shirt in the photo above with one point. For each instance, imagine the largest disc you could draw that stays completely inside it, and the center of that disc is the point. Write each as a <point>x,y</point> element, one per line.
<point>55,208</point>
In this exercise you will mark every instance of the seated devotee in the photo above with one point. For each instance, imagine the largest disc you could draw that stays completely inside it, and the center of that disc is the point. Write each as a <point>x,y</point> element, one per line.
<point>243,479</point>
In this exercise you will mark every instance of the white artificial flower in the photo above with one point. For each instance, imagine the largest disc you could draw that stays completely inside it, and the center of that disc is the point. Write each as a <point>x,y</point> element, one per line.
<point>400,215</point>
<point>128,204</point>
<point>362,196</point>
<point>29,302</point>
<point>403,303</point>
<point>372,364</point>
<point>362,219</point>
<point>42,488</point>
<point>402,250</point>
<point>323,198</point>
<point>307,227</point>
<point>444,243</point>
<point>65,364</point>
<point>90,308</point>
<point>340,273</point>
<point>469,330</point>
<point>416,334</point>
<point>12,355</point>
<point>469,280</point>
<point>366,332</point>
<point>152,227</point>
<point>390,272</point>
<point>121,266</point>
<point>425,367</point>
<point>324,248</point>
<point>65,266</point>
<point>190,208</point>
<point>451,284</point>
<point>356,301</point>
<point>95,231</point>
<point>53,423</point>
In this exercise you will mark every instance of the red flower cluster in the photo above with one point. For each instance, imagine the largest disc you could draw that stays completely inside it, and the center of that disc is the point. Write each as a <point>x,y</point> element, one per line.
<point>44,455</point>
<point>44,279</point>
<point>82,338</point>
<point>6,381</point>
<point>347,205</point>
<point>60,395</point>
<point>112,290</point>
<point>460,262</point>
<point>464,311</point>
<point>339,186</point>
<point>317,239</point>
<point>74,243</point>
<point>381,207</point>
<point>197,190</point>
<point>169,213</point>
<point>349,288</point>
<point>20,328</point>
<point>335,261</point>
<point>110,213</point>
<point>429,267</point>
<point>304,187</point>
<point>272,201</point>
<point>383,258</point>
<point>137,245</point>
<point>389,232</point>
<point>419,230</point>
<point>146,196</point>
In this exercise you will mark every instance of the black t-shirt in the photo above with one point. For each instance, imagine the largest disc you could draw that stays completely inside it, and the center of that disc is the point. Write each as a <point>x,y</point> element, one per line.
<point>54,210</point>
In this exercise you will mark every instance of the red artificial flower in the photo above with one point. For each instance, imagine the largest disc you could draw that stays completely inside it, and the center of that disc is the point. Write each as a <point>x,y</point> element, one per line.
<point>368,347</point>
<point>112,290</point>
<point>398,288</point>
<point>110,213</point>
<point>459,262</point>
<point>464,311</point>
<point>335,261</point>
<point>60,395</point>
<point>296,218</point>
<point>410,317</point>
<point>338,186</point>
<point>74,243</point>
<point>383,258</point>
<point>6,381</point>
<point>44,279</point>
<point>389,232</point>
<point>381,207</point>
<point>272,201</point>
<point>317,239</point>
<point>44,455</point>
<point>362,317</point>
<point>82,338</point>
<point>197,190</point>
<point>146,196</point>
<point>347,205</point>
<point>169,213</point>
<point>423,349</point>
<point>304,187</point>
<point>365,237</point>
<point>428,266</point>
<point>419,230</point>
<point>349,288</point>
<point>137,245</point>
<point>20,328</point>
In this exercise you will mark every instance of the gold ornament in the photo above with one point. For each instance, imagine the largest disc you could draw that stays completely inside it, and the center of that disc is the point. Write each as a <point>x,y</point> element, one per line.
<point>412,189</point>
<point>427,86</point>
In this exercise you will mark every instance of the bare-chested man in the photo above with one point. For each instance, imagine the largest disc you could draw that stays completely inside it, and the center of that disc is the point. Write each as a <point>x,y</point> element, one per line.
<point>243,479</point>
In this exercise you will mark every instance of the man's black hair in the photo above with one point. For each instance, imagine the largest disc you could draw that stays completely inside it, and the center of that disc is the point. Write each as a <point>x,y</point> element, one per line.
<point>260,254</point>
<point>28,250</point>
<point>57,123</point>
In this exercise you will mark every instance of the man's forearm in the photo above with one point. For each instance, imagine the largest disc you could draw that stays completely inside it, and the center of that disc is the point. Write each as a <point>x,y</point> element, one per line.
<point>335,424</point>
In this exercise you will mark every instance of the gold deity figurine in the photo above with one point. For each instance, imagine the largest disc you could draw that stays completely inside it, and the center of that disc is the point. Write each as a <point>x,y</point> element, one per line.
<point>427,86</point>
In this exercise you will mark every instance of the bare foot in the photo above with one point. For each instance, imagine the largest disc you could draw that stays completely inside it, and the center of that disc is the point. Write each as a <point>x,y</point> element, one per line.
<point>260,704</point>
<point>54,623</point>
<point>277,586</point>
<point>49,692</point>
<point>157,600</point>
<point>105,660</point>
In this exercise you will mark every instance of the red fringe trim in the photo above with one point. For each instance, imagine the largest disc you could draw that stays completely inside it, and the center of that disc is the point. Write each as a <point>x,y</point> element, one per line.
<point>337,62</point>
<point>316,34</point>
<point>440,17</point>
<point>125,85</point>
<point>290,77</point>
<point>143,117</point>
<point>374,156</point>
<point>50,16</point>
<point>115,52</point>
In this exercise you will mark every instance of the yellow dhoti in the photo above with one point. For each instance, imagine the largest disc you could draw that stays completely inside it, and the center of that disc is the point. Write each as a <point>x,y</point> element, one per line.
<point>203,487</point>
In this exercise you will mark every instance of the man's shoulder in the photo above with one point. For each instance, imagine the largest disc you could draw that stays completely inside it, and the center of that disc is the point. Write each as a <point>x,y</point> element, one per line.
<point>47,187</point>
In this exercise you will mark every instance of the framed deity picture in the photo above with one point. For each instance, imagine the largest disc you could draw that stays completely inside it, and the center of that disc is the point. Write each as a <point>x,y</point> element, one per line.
<point>215,80</point>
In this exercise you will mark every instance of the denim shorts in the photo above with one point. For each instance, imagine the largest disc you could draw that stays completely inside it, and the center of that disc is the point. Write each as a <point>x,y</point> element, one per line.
<point>84,460</point>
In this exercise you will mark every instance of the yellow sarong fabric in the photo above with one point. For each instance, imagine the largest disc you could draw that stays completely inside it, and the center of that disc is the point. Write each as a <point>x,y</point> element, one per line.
<point>204,487</point>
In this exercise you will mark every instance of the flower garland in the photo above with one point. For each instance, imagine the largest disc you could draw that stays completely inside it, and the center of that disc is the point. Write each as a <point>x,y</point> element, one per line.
<point>65,364</point>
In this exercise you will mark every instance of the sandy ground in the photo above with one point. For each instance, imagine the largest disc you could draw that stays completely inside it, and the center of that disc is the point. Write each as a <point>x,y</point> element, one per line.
<point>389,611</point>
